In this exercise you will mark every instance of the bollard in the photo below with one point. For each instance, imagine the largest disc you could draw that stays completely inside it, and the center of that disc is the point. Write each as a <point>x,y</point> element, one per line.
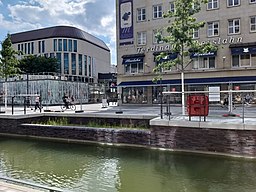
<point>25,105</point>
<point>12,105</point>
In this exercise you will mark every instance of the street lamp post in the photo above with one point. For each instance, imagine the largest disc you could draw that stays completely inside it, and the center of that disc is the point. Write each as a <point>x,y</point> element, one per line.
<point>182,93</point>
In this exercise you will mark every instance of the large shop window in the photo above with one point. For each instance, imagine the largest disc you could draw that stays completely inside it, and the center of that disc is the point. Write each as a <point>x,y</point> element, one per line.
<point>243,56</point>
<point>135,95</point>
<point>173,98</point>
<point>133,64</point>
<point>203,60</point>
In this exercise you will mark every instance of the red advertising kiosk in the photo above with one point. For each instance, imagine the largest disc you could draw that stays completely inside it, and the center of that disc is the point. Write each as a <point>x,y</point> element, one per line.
<point>198,105</point>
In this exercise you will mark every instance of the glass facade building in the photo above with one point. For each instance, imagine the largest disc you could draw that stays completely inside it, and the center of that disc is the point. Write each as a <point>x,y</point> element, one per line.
<point>74,49</point>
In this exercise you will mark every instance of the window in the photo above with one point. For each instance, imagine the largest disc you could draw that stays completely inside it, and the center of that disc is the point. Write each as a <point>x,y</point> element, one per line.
<point>253,59</point>
<point>59,44</point>
<point>234,26</point>
<point>141,38</point>
<point>141,14</point>
<point>28,48</point>
<point>85,65</point>
<point>73,63</point>
<point>252,1</point>
<point>213,29</point>
<point>43,46</point>
<point>204,63</point>
<point>89,66</point>
<point>58,57</point>
<point>232,3</point>
<point>80,63</point>
<point>157,12</point>
<point>156,32</point>
<point>39,46</point>
<point>75,45</point>
<point>245,60</point>
<point>213,4</point>
<point>22,47</point>
<point>195,34</point>
<point>65,44</point>
<point>133,68</point>
<point>66,63</point>
<point>55,44</point>
<point>253,24</point>
<point>32,47</point>
<point>70,45</point>
<point>172,7</point>
<point>25,48</point>
<point>235,61</point>
<point>135,95</point>
<point>52,55</point>
<point>127,69</point>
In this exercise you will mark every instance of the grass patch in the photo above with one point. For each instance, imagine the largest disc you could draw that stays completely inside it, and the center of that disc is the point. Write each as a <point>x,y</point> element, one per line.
<point>64,122</point>
<point>61,121</point>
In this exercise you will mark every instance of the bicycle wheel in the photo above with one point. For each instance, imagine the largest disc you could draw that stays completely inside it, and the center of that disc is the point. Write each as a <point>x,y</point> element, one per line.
<point>72,107</point>
<point>63,107</point>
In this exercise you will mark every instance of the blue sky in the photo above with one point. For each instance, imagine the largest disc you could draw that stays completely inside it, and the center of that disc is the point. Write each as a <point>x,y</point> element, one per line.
<point>96,17</point>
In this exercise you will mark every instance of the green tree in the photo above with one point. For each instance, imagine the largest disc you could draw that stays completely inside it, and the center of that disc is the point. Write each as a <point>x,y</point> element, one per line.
<point>180,37</point>
<point>38,64</point>
<point>9,64</point>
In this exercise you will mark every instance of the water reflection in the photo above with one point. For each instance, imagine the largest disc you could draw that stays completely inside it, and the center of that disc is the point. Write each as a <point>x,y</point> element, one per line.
<point>99,168</point>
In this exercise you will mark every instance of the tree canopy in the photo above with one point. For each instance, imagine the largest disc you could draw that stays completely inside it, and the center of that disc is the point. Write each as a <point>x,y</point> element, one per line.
<point>9,64</point>
<point>180,34</point>
<point>38,64</point>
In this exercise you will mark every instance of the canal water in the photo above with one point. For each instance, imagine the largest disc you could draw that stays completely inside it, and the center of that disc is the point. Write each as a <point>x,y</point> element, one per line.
<point>96,168</point>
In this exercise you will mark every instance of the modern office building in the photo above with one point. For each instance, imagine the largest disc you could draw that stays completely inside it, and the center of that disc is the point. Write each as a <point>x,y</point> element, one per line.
<point>230,24</point>
<point>80,55</point>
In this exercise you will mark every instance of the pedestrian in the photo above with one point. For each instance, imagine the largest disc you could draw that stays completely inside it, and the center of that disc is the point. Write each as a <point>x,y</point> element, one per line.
<point>72,99</point>
<point>225,100</point>
<point>247,99</point>
<point>66,101</point>
<point>37,103</point>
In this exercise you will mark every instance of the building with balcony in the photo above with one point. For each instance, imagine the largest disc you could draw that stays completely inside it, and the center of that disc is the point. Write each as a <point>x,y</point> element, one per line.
<point>230,24</point>
<point>80,55</point>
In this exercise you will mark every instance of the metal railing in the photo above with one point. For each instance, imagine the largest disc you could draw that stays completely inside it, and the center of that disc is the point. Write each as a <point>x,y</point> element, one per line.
<point>226,103</point>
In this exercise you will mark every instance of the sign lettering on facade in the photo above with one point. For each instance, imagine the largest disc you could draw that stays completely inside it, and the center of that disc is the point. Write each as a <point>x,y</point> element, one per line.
<point>218,41</point>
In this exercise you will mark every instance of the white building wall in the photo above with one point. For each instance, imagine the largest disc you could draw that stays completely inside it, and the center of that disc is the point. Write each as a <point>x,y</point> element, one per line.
<point>100,56</point>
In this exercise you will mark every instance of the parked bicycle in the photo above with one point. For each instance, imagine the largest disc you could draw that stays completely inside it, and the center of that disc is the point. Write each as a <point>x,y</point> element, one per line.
<point>71,106</point>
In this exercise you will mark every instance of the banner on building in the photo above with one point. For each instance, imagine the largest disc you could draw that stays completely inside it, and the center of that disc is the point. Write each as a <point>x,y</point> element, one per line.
<point>126,22</point>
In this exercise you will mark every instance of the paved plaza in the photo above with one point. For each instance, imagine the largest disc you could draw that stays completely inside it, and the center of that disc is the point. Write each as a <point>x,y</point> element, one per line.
<point>216,113</point>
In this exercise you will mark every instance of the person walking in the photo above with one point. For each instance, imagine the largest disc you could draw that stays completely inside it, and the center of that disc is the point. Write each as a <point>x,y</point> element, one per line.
<point>37,103</point>
<point>66,101</point>
<point>72,99</point>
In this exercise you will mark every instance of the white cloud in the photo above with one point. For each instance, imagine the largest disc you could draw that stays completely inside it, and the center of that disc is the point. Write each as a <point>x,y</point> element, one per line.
<point>92,16</point>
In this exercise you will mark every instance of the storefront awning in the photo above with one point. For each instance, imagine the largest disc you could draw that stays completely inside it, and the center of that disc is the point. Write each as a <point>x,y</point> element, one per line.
<point>211,80</point>
<point>210,54</point>
<point>243,50</point>
<point>131,59</point>
<point>168,57</point>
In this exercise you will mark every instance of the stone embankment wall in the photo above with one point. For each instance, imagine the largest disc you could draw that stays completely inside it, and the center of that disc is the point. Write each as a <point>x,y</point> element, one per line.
<point>226,141</point>
<point>236,141</point>
<point>103,135</point>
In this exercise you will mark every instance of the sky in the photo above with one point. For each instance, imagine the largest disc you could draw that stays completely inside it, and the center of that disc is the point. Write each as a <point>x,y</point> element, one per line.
<point>96,17</point>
